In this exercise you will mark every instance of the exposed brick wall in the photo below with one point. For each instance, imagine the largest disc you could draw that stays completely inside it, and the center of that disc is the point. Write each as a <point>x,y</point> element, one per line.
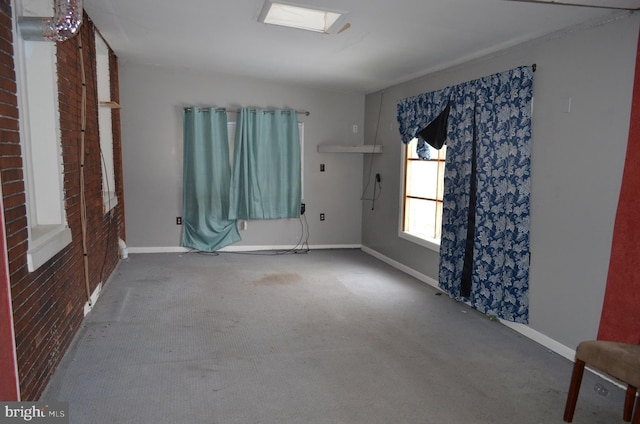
<point>8,111</point>
<point>117,141</point>
<point>48,303</point>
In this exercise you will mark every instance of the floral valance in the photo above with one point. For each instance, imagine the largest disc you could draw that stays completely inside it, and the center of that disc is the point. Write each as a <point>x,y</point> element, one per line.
<point>417,112</point>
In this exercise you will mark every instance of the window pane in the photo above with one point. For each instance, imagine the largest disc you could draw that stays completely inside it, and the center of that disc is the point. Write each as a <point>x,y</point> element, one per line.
<point>411,149</point>
<point>424,184</point>
<point>420,218</point>
<point>441,154</point>
<point>105,124</point>
<point>422,178</point>
<point>433,153</point>
<point>440,180</point>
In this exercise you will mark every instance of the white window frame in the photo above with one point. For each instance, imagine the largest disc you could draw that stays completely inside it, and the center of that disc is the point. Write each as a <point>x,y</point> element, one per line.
<point>105,124</point>
<point>425,241</point>
<point>40,135</point>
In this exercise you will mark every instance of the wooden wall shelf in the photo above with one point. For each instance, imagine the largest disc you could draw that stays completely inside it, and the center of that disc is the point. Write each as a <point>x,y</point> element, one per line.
<point>112,105</point>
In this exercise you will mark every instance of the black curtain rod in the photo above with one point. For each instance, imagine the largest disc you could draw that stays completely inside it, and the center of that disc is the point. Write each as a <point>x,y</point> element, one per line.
<point>221,109</point>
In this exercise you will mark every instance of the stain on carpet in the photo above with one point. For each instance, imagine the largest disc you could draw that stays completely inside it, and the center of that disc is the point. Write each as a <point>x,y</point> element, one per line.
<point>279,279</point>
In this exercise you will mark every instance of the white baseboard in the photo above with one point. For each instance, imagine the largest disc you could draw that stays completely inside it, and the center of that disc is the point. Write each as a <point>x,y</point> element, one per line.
<point>89,305</point>
<point>94,298</point>
<point>156,249</point>
<point>412,272</point>
<point>523,329</point>
<point>179,249</point>
<point>542,339</point>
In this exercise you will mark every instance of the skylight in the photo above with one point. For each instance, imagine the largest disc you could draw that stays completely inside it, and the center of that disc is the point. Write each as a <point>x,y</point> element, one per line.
<point>306,18</point>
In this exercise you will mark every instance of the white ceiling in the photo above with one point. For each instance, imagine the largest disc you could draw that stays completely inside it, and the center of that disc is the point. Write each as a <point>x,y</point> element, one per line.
<point>389,41</point>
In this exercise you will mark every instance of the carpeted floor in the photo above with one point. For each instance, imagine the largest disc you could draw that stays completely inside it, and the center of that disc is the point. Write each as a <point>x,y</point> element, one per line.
<point>332,336</point>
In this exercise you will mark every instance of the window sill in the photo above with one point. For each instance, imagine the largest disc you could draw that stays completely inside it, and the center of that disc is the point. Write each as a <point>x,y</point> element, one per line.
<point>46,241</point>
<point>109,201</point>
<point>431,244</point>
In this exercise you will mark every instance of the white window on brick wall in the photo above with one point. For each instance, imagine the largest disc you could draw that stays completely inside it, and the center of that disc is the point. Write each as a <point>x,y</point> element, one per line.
<point>36,77</point>
<point>105,124</point>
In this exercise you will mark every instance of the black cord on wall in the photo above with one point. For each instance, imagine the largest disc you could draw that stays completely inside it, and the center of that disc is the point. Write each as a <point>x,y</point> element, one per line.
<point>375,196</point>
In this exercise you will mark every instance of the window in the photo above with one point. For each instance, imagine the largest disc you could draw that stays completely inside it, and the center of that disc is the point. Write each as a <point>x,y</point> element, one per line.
<point>36,75</point>
<point>423,187</point>
<point>105,124</point>
<point>289,15</point>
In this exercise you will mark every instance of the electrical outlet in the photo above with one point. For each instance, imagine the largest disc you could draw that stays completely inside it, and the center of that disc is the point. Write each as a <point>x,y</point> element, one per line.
<point>303,207</point>
<point>321,217</point>
<point>322,167</point>
<point>178,220</point>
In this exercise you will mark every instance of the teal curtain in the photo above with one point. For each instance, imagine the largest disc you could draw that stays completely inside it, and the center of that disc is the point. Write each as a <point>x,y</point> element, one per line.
<point>206,180</point>
<point>266,181</point>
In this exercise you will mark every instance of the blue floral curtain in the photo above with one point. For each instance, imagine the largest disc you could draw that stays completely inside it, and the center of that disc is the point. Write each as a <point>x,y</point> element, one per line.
<point>415,113</point>
<point>266,181</point>
<point>206,179</point>
<point>486,206</point>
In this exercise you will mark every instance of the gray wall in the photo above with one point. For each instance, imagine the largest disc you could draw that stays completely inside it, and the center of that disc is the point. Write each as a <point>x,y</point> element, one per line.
<point>577,163</point>
<point>152,100</point>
